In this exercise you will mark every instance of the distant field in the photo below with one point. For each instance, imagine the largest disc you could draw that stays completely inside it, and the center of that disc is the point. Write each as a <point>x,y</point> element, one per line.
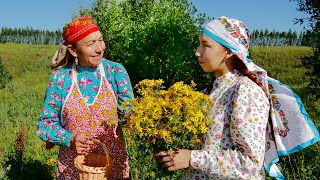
<point>21,102</point>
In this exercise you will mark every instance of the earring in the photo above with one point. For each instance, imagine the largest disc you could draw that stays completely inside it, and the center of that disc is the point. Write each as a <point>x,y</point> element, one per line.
<point>223,60</point>
<point>229,53</point>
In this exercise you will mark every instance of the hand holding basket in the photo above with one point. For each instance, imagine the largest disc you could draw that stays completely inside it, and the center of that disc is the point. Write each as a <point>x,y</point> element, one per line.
<point>94,166</point>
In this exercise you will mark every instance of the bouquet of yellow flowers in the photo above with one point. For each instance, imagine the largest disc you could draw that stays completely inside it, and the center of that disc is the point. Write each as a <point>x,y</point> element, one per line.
<point>167,119</point>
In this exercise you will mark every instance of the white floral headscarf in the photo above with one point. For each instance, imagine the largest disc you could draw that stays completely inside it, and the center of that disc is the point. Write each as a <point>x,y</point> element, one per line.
<point>234,35</point>
<point>290,128</point>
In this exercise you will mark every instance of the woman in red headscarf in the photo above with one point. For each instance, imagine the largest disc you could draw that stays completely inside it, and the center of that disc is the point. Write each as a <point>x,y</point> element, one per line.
<point>83,101</point>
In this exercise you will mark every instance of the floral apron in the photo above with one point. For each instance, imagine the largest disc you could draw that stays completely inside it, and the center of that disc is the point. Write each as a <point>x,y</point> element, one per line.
<point>93,120</point>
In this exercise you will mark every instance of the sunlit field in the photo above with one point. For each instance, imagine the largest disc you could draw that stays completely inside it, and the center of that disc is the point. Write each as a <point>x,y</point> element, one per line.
<point>23,154</point>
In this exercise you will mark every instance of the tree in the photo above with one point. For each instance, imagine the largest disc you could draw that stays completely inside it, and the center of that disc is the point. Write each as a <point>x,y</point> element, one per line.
<point>312,9</point>
<point>153,39</point>
<point>308,39</point>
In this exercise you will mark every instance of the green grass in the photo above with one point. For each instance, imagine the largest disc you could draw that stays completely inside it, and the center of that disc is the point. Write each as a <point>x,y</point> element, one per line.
<point>21,102</point>
<point>283,63</point>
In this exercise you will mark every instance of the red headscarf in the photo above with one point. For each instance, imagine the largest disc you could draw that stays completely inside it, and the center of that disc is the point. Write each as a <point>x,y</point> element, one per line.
<point>78,28</point>
<point>73,32</point>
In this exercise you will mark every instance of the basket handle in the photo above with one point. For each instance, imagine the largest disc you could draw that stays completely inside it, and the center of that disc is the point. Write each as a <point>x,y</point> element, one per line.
<point>105,150</point>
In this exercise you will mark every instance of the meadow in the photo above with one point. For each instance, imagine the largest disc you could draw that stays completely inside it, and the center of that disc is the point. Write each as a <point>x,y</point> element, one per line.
<point>23,154</point>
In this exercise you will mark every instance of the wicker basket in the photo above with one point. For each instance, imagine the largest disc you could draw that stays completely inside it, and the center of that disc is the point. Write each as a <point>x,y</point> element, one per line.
<point>94,166</point>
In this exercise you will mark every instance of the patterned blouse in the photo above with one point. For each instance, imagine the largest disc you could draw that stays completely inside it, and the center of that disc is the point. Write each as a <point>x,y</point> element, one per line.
<point>234,146</point>
<point>49,123</point>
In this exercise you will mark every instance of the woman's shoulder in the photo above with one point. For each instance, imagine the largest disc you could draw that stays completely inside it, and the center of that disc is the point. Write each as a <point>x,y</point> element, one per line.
<point>245,81</point>
<point>112,66</point>
<point>247,85</point>
<point>62,71</point>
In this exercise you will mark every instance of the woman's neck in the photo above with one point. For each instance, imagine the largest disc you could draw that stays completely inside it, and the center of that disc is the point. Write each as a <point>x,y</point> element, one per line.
<point>228,66</point>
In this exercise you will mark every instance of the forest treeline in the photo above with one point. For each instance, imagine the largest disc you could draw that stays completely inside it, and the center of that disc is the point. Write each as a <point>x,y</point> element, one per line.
<point>30,36</point>
<point>258,37</point>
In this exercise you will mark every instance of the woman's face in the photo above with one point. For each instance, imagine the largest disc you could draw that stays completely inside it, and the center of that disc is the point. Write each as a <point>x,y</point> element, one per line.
<point>211,55</point>
<point>90,49</point>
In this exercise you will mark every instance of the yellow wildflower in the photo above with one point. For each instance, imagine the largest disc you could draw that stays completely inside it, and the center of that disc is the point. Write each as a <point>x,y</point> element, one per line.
<point>176,117</point>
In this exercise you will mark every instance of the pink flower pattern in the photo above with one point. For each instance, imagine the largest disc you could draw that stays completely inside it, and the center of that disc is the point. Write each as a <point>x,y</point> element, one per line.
<point>234,146</point>
<point>51,127</point>
<point>93,120</point>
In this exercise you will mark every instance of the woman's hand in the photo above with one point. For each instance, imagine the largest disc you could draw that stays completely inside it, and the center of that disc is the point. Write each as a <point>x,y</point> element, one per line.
<point>173,160</point>
<point>80,143</point>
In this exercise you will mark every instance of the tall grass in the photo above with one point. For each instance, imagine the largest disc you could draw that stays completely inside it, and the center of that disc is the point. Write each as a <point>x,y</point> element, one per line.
<point>22,97</point>
<point>21,102</point>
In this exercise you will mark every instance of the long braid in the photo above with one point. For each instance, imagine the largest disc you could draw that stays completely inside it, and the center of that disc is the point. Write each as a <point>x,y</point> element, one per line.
<point>241,67</point>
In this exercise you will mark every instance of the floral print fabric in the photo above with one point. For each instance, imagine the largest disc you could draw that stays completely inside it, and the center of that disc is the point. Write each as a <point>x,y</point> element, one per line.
<point>95,120</point>
<point>234,146</point>
<point>286,107</point>
<point>49,124</point>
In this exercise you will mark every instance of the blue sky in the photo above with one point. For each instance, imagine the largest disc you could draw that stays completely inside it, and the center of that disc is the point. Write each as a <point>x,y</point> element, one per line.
<point>53,14</point>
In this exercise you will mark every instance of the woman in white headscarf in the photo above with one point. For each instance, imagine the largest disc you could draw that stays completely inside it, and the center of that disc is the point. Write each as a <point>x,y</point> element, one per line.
<point>251,113</point>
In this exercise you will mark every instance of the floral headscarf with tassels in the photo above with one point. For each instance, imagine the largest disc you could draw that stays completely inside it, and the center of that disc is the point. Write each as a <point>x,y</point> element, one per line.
<point>290,128</point>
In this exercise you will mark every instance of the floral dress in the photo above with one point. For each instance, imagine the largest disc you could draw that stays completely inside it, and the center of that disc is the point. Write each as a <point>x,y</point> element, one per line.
<point>86,100</point>
<point>234,146</point>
